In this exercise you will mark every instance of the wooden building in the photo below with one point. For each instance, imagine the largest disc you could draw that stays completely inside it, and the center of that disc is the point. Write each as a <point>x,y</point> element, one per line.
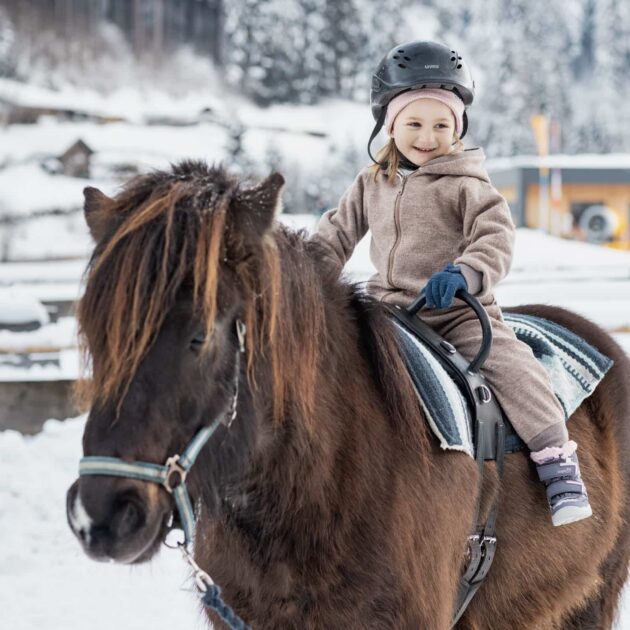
<point>587,196</point>
<point>76,160</point>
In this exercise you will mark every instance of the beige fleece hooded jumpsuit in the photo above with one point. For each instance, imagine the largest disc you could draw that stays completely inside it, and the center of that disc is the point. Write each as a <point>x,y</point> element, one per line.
<point>447,211</point>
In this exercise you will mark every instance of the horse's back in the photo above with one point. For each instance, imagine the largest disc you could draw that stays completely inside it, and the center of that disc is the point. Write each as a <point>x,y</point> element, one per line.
<point>571,576</point>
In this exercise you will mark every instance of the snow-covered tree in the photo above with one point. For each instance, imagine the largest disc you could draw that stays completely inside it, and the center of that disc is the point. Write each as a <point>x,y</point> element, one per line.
<point>601,124</point>
<point>341,45</point>
<point>569,60</point>
<point>7,42</point>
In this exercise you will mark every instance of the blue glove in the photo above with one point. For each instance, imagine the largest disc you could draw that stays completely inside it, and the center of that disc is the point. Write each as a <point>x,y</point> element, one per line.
<point>442,285</point>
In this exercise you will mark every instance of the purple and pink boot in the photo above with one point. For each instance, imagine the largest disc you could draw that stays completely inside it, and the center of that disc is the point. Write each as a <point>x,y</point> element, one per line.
<point>558,469</point>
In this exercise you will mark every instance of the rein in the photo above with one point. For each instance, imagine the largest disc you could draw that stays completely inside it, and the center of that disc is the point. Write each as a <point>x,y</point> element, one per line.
<point>172,477</point>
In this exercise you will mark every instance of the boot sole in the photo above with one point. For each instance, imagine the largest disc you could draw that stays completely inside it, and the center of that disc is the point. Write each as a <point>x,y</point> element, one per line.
<point>571,514</point>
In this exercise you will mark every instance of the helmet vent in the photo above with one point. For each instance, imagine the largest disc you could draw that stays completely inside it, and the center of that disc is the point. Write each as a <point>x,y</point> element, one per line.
<point>396,57</point>
<point>402,65</point>
<point>406,58</point>
<point>402,52</point>
<point>459,65</point>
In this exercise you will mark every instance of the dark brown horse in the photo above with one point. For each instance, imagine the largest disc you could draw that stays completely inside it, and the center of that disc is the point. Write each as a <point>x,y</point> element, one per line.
<point>327,504</point>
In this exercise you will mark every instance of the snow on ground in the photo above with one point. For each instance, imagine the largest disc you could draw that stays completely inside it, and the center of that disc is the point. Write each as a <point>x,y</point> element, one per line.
<point>154,145</point>
<point>46,583</point>
<point>303,135</point>
<point>299,136</point>
<point>30,189</point>
<point>623,339</point>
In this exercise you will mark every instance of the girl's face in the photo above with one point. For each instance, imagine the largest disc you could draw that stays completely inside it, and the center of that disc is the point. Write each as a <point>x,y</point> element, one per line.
<point>424,130</point>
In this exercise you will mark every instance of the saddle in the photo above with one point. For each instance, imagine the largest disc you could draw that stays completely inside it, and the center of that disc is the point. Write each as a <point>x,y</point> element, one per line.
<point>486,414</point>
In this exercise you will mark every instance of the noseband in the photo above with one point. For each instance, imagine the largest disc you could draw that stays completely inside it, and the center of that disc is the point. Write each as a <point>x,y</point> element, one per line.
<point>172,475</point>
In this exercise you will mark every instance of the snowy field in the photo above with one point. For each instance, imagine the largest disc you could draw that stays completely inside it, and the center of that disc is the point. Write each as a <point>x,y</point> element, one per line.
<point>45,580</point>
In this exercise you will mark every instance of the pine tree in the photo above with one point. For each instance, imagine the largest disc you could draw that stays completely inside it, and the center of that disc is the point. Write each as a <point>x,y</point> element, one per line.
<point>583,62</point>
<point>382,31</point>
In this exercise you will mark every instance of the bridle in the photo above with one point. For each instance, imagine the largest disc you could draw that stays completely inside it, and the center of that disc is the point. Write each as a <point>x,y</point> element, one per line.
<point>172,477</point>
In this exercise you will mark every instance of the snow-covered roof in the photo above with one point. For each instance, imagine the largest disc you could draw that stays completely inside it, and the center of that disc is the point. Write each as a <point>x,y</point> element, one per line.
<point>26,189</point>
<point>585,160</point>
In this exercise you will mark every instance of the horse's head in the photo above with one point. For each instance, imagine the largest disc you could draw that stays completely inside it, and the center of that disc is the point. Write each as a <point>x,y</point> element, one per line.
<point>181,258</point>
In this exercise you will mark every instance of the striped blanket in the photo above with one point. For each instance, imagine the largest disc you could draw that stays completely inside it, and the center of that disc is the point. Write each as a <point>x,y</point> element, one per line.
<point>574,367</point>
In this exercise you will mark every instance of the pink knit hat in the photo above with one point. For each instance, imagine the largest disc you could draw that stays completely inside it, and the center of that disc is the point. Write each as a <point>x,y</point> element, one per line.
<point>450,99</point>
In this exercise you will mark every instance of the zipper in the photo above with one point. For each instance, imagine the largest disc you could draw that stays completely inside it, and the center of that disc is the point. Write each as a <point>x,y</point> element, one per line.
<point>390,262</point>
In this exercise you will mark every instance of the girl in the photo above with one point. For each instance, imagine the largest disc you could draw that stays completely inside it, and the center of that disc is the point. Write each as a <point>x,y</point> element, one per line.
<point>436,220</point>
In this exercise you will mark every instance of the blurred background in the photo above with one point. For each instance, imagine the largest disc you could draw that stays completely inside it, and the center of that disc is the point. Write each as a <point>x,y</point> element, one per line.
<point>93,92</point>
<point>103,89</point>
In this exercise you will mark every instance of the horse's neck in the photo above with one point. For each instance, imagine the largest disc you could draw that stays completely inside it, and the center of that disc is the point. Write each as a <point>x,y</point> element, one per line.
<point>314,521</point>
<point>343,458</point>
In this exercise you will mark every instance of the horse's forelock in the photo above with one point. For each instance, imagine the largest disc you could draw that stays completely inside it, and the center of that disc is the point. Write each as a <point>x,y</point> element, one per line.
<point>171,233</point>
<point>172,236</point>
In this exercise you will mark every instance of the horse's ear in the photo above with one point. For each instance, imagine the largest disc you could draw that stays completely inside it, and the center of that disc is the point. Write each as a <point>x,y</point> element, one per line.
<point>97,210</point>
<point>254,209</point>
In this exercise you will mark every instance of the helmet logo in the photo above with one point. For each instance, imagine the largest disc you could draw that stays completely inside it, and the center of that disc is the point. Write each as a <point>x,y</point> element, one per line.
<point>427,67</point>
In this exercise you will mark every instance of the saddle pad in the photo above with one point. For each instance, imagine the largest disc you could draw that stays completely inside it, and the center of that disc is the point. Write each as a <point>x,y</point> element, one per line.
<point>574,367</point>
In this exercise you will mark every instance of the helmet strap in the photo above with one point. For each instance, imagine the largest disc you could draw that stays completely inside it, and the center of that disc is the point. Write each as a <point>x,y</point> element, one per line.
<point>377,127</point>
<point>464,125</point>
<point>405,163</point>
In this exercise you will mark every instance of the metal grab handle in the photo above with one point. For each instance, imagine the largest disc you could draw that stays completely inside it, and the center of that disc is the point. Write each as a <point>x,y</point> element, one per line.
<point>484,320</point>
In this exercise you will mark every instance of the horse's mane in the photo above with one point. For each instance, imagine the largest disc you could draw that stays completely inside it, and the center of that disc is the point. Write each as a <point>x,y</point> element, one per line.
<point>172,231</point>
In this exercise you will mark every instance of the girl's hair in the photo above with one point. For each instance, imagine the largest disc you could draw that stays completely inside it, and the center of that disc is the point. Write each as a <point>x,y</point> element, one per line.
<point>389,157</point>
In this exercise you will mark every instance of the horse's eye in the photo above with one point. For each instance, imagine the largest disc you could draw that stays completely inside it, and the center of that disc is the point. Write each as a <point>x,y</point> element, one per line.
<point>198,340</point>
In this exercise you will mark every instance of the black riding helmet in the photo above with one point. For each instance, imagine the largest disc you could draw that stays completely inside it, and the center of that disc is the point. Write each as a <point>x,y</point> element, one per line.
<point>416,65</point>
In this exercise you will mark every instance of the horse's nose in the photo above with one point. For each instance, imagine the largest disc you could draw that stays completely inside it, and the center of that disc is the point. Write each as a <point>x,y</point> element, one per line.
<point>102,512</point>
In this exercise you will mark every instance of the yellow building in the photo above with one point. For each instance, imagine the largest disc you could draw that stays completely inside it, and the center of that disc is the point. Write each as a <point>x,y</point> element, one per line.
<point>583,196</point>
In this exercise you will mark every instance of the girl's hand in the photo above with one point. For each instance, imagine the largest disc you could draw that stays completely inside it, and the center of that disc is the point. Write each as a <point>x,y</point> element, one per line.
<point>441,288</point>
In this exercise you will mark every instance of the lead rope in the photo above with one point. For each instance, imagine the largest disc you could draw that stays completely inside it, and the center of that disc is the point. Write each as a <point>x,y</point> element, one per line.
<point>211,593</point>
